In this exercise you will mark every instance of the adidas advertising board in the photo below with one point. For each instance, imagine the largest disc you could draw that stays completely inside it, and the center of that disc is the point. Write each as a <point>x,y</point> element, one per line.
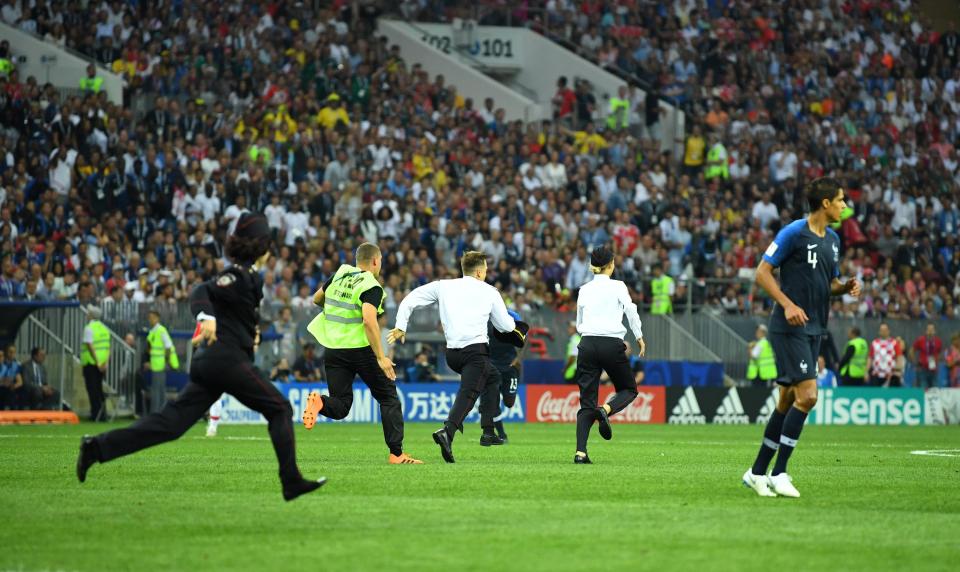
<point>869,406</point>
<point>722,406</point>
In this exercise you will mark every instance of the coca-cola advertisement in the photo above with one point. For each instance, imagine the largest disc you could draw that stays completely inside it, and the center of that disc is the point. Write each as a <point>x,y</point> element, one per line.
<point>560,403</point>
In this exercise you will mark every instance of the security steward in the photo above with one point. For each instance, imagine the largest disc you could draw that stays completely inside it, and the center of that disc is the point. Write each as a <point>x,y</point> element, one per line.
<point>853,364</point>
<point>352,299</point>
<point>162,352</point>
<point>505,358</point>
<point>662,288</point>
<point>227,307</point>
<point>570,367</point>
<point>94,355</point>
<point>600,309</point>
<point>466,306</point>
<point>762,366</point>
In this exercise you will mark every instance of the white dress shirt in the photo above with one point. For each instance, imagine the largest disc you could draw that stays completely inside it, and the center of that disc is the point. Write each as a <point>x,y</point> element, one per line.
<point>600,308</point>
<point>466,305</point>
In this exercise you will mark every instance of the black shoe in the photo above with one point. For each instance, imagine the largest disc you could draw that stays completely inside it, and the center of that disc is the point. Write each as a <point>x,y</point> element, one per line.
<point>582,460</point>
<point>488,440</point>
<point>302,487</point>
<point>498,425</point>
<point>446,449</point>
<point>604,420</point>
<point>89,454</point>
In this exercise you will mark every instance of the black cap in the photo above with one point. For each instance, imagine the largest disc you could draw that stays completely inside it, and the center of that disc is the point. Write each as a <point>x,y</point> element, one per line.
<point>601,256</point>
<point>252,225</point>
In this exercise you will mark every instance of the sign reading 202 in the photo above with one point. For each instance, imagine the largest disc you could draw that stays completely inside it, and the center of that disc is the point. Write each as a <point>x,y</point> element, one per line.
<point>485,48</point>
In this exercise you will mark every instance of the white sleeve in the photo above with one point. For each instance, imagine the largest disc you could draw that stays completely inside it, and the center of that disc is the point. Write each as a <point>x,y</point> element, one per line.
<point>755,352</point>
<point>88,335</point>
<point>418,298</point>
<point>167,342</point>
<point>630,309</point>
<point>502,321</point>
<point>204,316</point>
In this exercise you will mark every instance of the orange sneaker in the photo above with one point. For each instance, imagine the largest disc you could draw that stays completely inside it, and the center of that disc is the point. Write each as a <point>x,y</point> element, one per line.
<point>314,405</point>
<point>404,459</point>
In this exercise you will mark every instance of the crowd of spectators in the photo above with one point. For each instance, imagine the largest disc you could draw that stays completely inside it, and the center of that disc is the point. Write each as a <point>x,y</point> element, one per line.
<point>311,118</point>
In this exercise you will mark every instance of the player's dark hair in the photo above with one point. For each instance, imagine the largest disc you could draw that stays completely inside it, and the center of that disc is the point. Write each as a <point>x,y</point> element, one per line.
<point>246,250</point>
<point>818,190</point>
<point>35,351</point>
<point>855,331</point>
<point>471,261</point>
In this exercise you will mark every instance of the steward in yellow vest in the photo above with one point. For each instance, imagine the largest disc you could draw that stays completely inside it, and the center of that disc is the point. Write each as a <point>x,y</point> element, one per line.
<point>662,288</point>
<point>853,364</point>
<point>352,300</point>
<point>94,356</point>
<point>570,368</point>
<point>161,351</point>
<point>762,365</point>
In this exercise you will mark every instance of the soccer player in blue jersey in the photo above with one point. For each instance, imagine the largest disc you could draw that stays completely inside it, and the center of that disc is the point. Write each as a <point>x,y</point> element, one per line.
<point>807,252</point>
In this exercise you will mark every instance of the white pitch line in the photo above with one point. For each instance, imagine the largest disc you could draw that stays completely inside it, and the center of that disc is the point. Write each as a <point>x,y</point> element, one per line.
<point>938,453</point>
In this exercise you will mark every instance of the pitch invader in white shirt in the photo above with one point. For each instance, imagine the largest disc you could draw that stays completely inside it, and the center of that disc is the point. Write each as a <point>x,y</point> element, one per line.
<point>601,305</point>
<point>466,305</point>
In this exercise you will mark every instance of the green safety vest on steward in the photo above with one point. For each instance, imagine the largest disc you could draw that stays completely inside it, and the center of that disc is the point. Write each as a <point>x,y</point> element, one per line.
<point>619,116</point>
<point>857,366</point>
<point>158,353</point>
<point>571,346</point>
<point>6,66</point>
<point>93,84</point>
<point>101,345</point>
<point>765,365</point>
<point>717,165</point>
<point>340,325</point>
<point>662,304</point>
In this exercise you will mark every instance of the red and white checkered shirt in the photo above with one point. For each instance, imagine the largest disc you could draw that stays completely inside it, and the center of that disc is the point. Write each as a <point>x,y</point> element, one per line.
<point>883,356</point>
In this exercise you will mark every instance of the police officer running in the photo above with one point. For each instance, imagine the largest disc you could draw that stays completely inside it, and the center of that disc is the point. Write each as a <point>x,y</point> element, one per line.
<point>600,309</point>
<point>161,353</point>
<point>227,307</point>
<point>352,299</point>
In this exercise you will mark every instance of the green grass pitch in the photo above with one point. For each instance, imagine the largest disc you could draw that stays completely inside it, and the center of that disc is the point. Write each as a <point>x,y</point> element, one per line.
<point>657,498</point>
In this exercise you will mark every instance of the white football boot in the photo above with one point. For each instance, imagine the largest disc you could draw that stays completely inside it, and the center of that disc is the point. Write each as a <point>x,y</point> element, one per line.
<point>782,484</point>
<point>758,483</point>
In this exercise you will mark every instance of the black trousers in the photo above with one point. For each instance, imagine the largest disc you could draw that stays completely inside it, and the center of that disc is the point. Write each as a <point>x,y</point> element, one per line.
<point>93,379</point>
<point>343,365</point>
<point>215,370</point>
<point>598,354</point>
<point>505,388</point>
<point>34,399</point>
<point>477,375</point>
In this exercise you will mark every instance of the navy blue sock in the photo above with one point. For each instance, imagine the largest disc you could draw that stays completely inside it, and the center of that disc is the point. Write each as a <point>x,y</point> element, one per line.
<point>771,442</point>
<point>792,426</point>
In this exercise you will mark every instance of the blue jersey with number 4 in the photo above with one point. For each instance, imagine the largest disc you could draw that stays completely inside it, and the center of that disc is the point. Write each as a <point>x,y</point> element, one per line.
<point>808,264</point>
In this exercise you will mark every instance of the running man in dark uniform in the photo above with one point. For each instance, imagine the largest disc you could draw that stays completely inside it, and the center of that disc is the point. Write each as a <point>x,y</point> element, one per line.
<point>227,309</point>
<point>505,357</point>
<point>807,252</point>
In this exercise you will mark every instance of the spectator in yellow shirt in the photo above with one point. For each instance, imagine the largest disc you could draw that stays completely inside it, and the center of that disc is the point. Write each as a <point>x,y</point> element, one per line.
<point>588,141</point>
<point>422,161</point>
<point>333,113</point>
<point>693,153</point>
<point>284,126</point>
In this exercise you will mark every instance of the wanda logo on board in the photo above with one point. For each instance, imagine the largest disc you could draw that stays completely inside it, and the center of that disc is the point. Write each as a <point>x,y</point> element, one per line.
<point>560,403</point>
